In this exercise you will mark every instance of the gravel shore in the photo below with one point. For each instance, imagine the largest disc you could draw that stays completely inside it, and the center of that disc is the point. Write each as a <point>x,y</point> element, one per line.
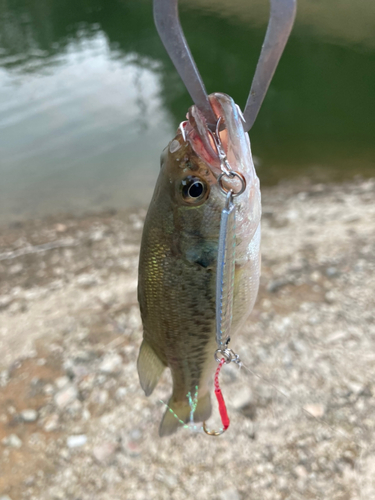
<point>74,422</point>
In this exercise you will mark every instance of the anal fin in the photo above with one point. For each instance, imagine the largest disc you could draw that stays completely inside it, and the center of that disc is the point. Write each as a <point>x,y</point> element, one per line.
<point>150,367</point>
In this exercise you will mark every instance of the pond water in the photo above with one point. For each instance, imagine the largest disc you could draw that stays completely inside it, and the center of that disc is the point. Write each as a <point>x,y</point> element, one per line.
<point>89,98</point>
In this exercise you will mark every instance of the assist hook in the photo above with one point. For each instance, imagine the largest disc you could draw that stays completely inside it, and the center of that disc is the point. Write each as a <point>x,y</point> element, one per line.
<point>280,24</point>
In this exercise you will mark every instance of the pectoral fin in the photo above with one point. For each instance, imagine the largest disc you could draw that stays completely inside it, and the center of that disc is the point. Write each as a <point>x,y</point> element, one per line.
<point>150,367</point>
<point>204,254</point>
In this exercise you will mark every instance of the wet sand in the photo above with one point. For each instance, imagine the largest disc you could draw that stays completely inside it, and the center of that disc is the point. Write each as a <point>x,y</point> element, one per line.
<point>74,422</point>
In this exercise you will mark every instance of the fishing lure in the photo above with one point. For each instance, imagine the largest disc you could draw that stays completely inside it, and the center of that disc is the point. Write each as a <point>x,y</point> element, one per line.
<point>225,279</point>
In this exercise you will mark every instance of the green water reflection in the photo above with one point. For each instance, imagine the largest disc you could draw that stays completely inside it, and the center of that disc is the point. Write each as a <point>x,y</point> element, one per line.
<point>88,97</point>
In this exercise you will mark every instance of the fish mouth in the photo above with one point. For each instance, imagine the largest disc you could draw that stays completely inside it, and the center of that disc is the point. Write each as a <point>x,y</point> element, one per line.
<point>233,140</point>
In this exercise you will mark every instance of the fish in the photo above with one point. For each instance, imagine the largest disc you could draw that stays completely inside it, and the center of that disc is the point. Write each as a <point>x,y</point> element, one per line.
<point>178,258</point>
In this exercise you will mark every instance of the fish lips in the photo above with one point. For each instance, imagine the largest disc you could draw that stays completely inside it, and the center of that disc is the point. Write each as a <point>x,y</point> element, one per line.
<point>234,140</point>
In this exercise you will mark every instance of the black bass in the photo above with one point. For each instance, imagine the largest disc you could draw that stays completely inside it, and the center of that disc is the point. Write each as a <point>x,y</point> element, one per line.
<point>178,258</point>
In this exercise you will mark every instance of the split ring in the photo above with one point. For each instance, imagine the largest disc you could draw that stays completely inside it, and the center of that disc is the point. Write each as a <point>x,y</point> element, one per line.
<point>225,353</point>
<point>239,176</point>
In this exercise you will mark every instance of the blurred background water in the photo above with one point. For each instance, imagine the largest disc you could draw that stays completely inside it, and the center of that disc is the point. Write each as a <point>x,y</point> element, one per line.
<point>89,98</point>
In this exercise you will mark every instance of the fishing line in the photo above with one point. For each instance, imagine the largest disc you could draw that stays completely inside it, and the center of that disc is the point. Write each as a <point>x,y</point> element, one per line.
<point>335,431</point>
<point>223,410</point>
<point>288,398</point>
<point>193,403</point>
<point>184,425</point>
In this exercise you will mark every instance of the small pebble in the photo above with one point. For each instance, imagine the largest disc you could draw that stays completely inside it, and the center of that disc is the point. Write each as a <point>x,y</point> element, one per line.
<point>300,471</point>
<point>4,378</point>
<point>170,480</point>
<point>36,439</point>
<point>86,415</point>
<point>112,363</point>
<point>99,396</point>
<point>97,235</point>
<point>60,228</point>
<point>66,396</point>
<point>331,271</point>
<point>282,483</point>
<point>242,398</point>
<point>121,393</point>
<point>15,269</point>
<point>29,481</point>
<point>356,387</point>
<point>76,441</point>
<point>229,494</point>
<point>330,297</point>
<point>249,429</point>
<point>135,435</point>
<point>29,415</point>
<point>5,300</point>
<point>103,452</point>
<point>336,336</point>
<point>13,441</point>
<point>86,280</point>
<point>315,410</point>
<point>48,389</point>
<point>61,382</point>
<point>315,276</point>
<point>75,407</point>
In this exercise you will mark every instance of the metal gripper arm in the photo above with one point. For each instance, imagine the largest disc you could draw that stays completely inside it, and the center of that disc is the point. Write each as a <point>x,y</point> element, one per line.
<point>279,27</point>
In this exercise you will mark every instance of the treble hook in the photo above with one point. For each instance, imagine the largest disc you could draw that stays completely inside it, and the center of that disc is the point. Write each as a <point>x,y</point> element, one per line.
<point>280,23</point>
<point>213,433</point>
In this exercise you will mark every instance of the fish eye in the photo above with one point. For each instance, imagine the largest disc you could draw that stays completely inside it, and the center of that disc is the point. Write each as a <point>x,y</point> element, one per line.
<point>194,189</point>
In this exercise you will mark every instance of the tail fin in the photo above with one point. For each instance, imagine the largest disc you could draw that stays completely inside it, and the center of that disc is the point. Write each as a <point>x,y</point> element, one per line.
<point>178,412</point>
